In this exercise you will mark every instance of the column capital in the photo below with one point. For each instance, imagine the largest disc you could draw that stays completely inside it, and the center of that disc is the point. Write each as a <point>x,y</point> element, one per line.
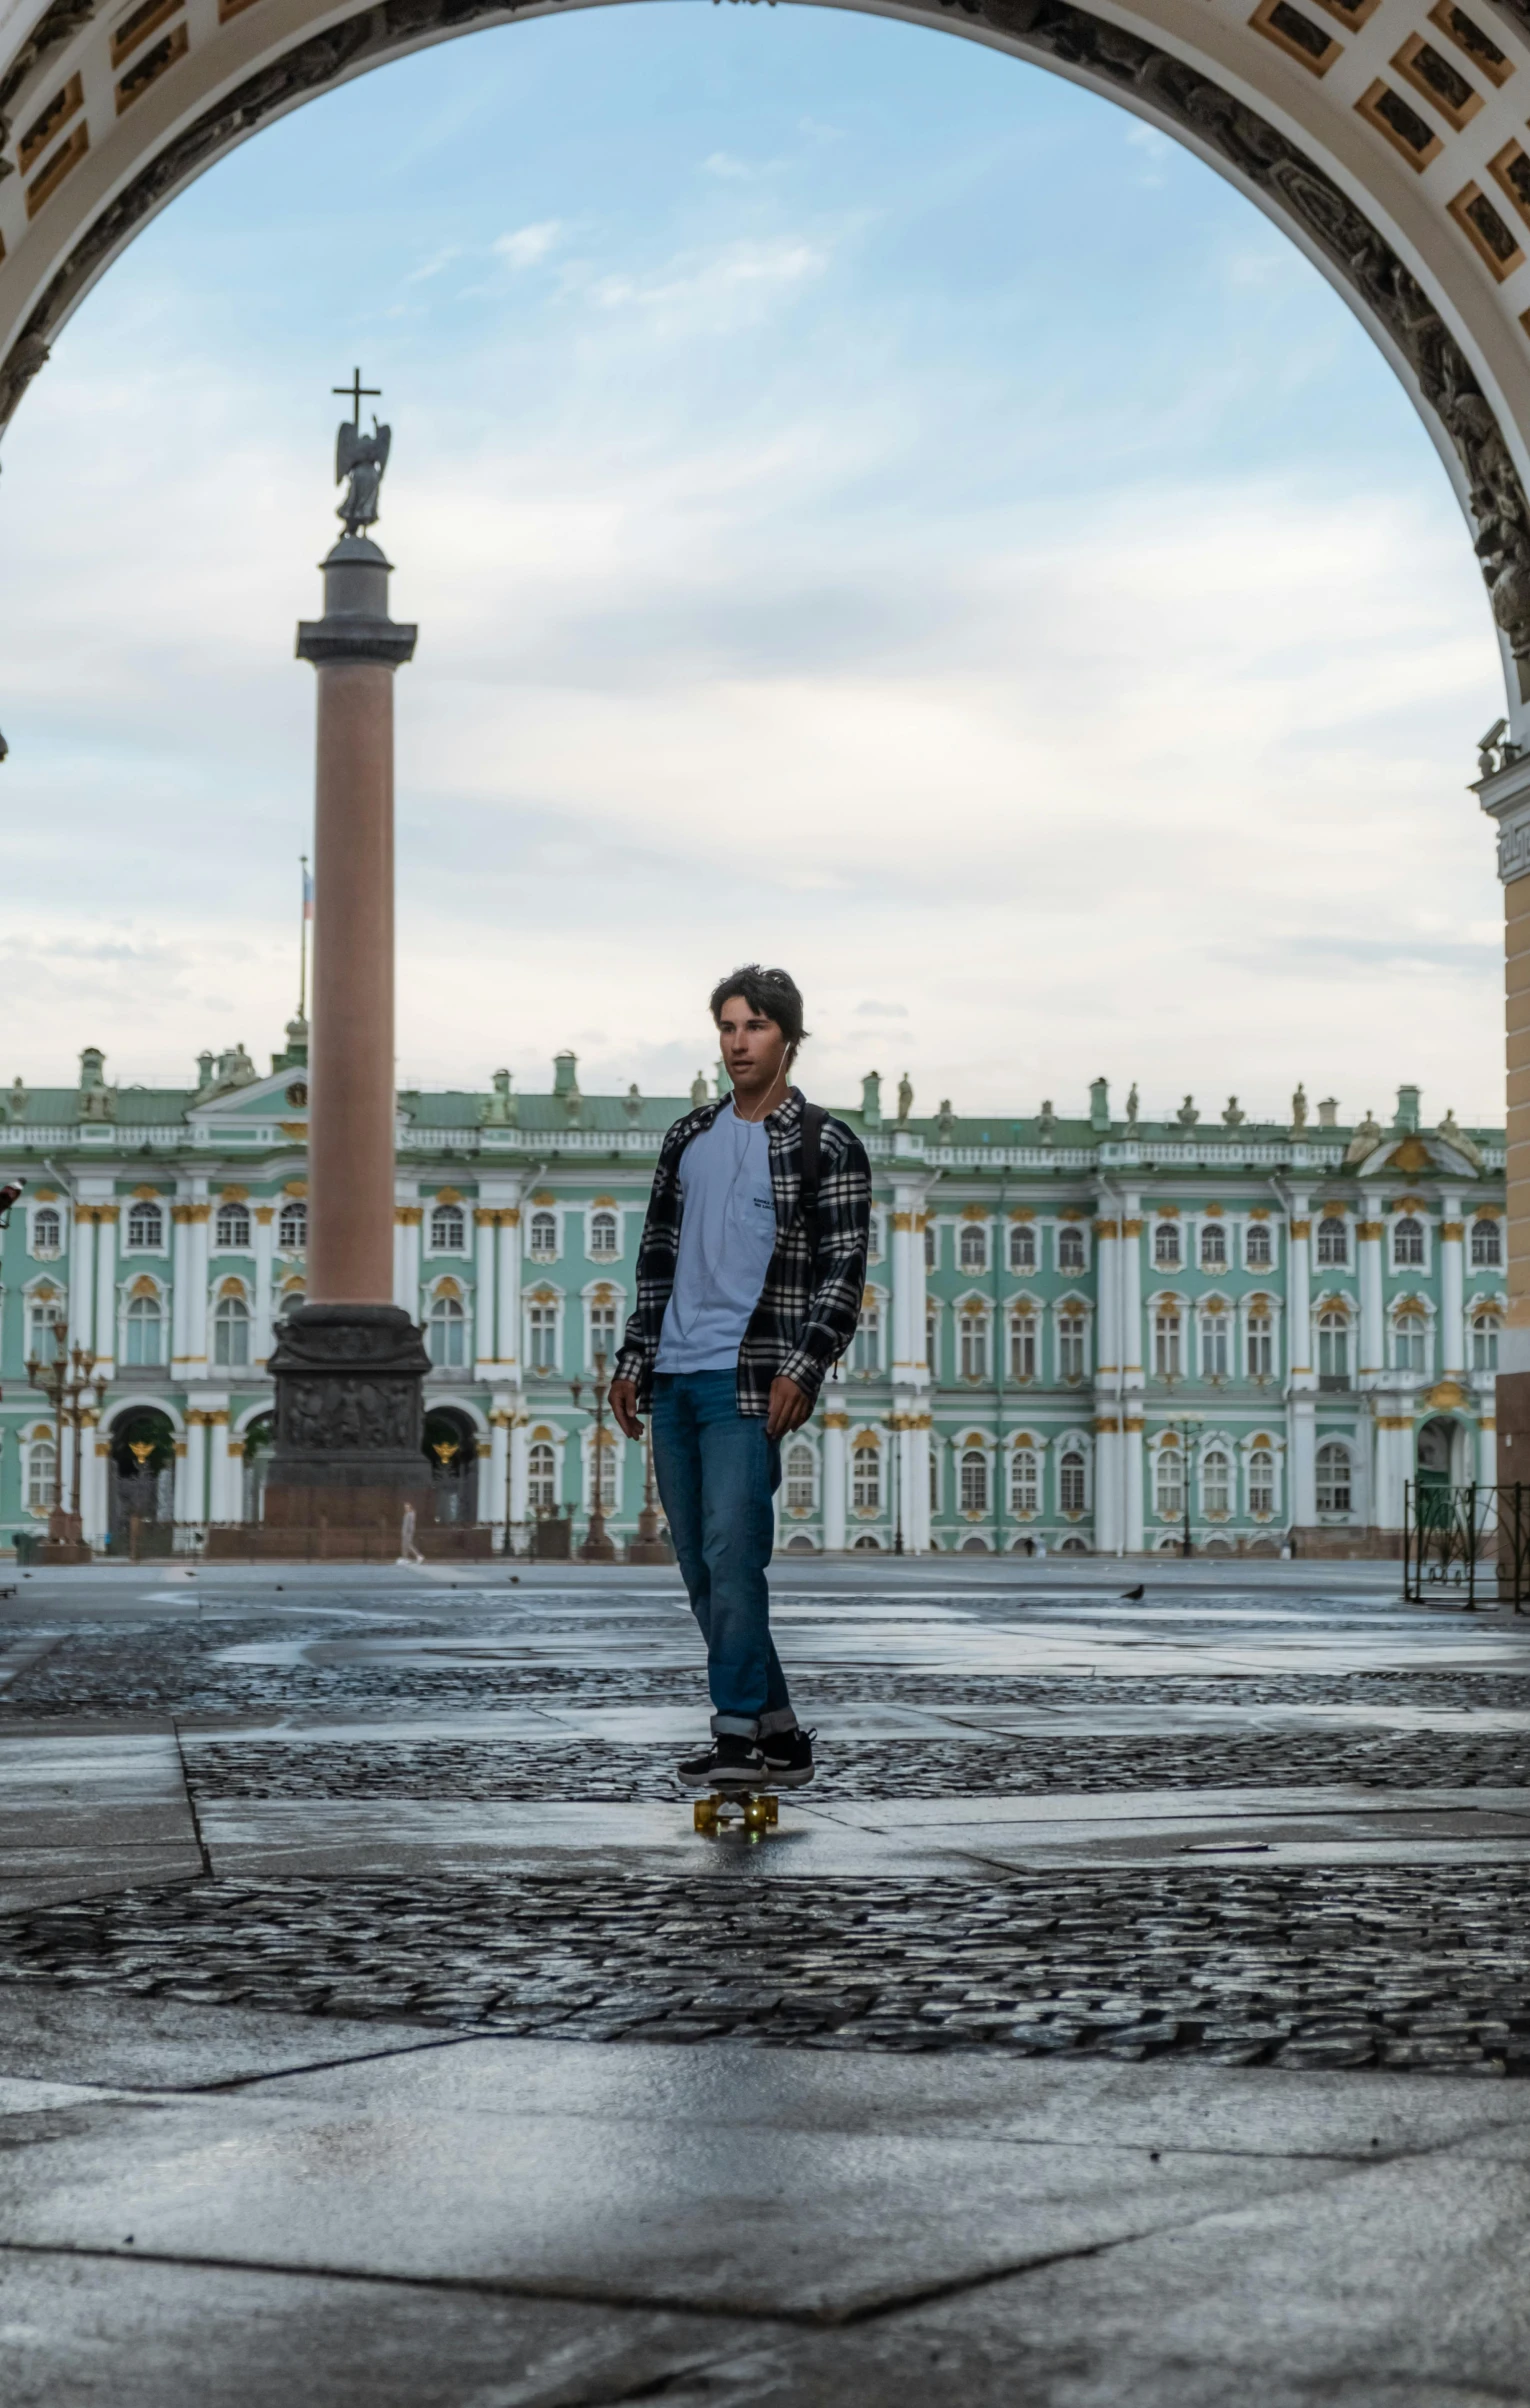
<point>1504,794</point>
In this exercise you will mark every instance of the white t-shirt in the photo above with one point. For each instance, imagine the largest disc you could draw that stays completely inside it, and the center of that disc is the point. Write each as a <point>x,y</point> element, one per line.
<point>727,1237</point>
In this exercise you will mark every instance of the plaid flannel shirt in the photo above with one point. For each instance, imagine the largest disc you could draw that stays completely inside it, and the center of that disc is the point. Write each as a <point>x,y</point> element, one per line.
<point>808,1307</point>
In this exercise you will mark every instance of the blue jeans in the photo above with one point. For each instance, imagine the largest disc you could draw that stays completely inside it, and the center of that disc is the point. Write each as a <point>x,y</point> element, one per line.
<point>717,1473</point>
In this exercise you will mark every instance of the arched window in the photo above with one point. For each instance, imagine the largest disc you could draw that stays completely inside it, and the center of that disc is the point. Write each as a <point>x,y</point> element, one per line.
<point>293,1300</point>
<point>1333,1349</point>
<point>1333,1240</point>
<point>1024,1481</point>
<point>1333,1478</point>
<point>1071,1328</point>
<point>1166,1342</point>
<point>929,1245</point>
<point>1070,1248</point>
<point>1216,1483</point>
<point>544,1236</point>
<point>44,1315</point>
<point>1485,1330</point>
<point>866,1346</point>
<point>1022,1346</point>
<point>1258,1253</point>
<point>1070,1481</point>
<point>1409,1338</point>
<point>145,1331</point>
<point>232,1229</point>
<point>292,1228</point>
<point>1261,1344</point>
<point>1169,1483</point>
<point>801,1478</point>
<point>603,1238</point>
<point>446,1333</point>
<point>1213,1246</point>
<point>1407,1242</point>
<point>1166,1246</point>
<point>448,1229</point>
<point>932,1340</point>
<point>934,1479</point>
<point>542,1337</point>
<point>974,1480</point>
<point>47,1231</point>
<point>42,1472</point>
<point>972,1251</point>
<point>1487,1246</point>
<point>866,1476</point>
<point>1214,1365</point>
<point>146,1229</point>
<point>231,1333</point>
<point>1022,1246</point>
<point>541,1477</point>
<point>1261,1481</point>
<point>974,1343</point>
<point>603,1334</point>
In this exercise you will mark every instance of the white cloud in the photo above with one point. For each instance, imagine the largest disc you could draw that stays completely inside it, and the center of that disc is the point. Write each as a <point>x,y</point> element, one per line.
<point>529,244</point>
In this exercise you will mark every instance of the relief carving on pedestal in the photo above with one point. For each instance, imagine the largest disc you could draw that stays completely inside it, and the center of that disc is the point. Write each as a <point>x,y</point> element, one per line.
<point>346,1414</point>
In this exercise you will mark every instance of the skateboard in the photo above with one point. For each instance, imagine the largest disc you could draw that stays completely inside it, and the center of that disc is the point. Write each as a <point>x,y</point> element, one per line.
<point>760,1810</point>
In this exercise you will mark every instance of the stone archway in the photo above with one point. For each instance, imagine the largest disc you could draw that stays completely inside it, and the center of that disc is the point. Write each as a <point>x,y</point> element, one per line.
<point>140,1500</point>
<point>1392,145</point>
<point>451,1449</point>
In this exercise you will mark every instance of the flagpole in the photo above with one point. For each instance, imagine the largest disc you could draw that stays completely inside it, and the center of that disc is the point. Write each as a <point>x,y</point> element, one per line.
<point>303,944</point>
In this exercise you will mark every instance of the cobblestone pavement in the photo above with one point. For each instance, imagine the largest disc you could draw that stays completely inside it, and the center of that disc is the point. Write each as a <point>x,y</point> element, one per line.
<point>1295,1966</point>
<point>192,1669</point>
<point>615,1772</point>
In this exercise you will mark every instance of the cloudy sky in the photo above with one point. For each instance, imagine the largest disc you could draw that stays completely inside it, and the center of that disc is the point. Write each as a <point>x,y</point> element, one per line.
<point>867,505</point>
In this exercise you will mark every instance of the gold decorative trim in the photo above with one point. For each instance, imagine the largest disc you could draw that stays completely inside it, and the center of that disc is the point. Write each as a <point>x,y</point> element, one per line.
<point>1452,1232</point>
<point>1438,80</point>
<point>1369,1232</point>
<point>1468,36</point>
<point>1399,125</point>
<point>1296,35</point>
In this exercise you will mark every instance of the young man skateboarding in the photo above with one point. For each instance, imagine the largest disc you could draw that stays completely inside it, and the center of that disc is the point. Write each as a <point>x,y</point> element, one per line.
<point>749,1284</point>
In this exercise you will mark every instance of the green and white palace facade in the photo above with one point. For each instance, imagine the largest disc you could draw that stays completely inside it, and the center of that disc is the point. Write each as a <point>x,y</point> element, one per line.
<point>1076,1331</point>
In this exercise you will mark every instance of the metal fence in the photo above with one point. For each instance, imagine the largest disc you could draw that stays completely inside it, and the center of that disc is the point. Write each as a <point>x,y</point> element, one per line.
<point>1467,1547</point>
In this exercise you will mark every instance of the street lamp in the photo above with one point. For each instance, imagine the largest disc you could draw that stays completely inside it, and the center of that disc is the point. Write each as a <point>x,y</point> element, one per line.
<point>1185,1424</point>
<point>65,1382</point>
<point>597,1547</point>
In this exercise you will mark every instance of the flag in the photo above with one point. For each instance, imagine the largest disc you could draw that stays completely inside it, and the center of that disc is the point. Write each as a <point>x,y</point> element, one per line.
<point>307,893</point>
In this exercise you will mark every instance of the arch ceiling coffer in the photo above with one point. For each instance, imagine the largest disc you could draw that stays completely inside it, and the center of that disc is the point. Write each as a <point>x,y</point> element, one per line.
<point>1391,139</point>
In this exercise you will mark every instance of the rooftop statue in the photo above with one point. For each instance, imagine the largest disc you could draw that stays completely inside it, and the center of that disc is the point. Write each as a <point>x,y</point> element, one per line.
<point>360,458</point>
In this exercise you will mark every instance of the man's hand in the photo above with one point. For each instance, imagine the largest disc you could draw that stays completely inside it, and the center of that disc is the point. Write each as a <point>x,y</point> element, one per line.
<point>789,1407</point>
<point>622,1398</point>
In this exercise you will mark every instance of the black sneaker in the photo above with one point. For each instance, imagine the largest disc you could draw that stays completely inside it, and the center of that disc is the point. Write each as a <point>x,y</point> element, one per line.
<point>788,1757</point>
<point>730,1762</point>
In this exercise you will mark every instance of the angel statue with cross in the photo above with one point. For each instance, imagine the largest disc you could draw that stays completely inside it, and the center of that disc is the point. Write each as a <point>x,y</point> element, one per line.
<point>361,458</point>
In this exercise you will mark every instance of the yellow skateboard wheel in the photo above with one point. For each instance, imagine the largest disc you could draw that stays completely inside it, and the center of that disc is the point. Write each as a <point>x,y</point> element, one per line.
<point>705,1812</point>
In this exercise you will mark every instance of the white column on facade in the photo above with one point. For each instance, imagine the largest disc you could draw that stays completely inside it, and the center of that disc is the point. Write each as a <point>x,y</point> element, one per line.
<point>196,1466</point>
<point>485,1229</point>
<point>106,1291</point>
<point>1109,1530</point>
<point>1301,1423</point>
<point>493,1489</point>
<point>1372,1335</point>
<point>835,1475</point>
<point>82,1275</point>
<point>520,1449</point>
<point>219,1484</point>
<point>507,1334</point>
<point>180,1287</point>
<point>1453,1346</point>
<point>264,1217</point>
<point>198,1231</point>
<point>1393,1462</point>
<point>181,1495</point>
<point>1133,1378</point>
<point>1487,1449</point>
<point>909,1370</point>
<point>409,1266</point>
<point>93,1461</point>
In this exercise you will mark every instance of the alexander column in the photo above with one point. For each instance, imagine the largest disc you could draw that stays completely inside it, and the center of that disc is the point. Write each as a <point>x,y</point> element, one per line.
<point>349,1363</point>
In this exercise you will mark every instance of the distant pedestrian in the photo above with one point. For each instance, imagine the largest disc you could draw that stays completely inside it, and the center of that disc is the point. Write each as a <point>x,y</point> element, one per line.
<point>408,1552</point>
<point>749,1284</point>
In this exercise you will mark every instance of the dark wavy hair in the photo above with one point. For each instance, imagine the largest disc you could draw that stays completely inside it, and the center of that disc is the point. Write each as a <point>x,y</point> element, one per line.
<point>772,993</point>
